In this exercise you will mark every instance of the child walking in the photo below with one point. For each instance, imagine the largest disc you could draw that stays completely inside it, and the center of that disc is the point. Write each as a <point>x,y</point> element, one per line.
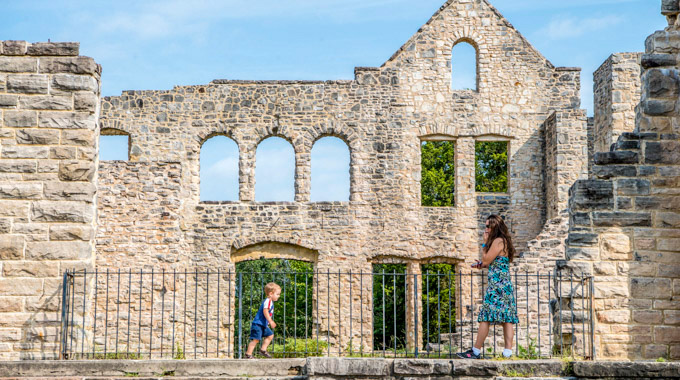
<point>499,304</point>
<point>259,328</point>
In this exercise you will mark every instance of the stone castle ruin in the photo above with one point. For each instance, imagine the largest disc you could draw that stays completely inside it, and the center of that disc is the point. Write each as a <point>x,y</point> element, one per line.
<point>598,199</point>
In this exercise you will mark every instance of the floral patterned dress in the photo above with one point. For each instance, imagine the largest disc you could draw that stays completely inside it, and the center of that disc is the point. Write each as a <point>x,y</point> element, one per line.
<point>499,300</point>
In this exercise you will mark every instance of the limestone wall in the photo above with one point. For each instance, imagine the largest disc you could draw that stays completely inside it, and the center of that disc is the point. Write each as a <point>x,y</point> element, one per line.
<point>617,93</point>
<point>625,222</point>
<point>48,171</point>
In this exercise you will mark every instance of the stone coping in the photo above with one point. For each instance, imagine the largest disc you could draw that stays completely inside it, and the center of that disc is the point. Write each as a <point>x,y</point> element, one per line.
<point>345,368</point>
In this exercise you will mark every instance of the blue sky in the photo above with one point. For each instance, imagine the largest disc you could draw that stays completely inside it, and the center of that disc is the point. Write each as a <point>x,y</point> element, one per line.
<point>158,44</point>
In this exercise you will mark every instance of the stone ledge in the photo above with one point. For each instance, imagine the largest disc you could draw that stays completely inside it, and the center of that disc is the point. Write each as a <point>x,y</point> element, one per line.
<point>607,369</point>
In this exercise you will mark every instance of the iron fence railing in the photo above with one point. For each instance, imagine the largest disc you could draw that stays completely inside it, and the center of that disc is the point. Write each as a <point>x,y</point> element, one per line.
<point>195,314</point>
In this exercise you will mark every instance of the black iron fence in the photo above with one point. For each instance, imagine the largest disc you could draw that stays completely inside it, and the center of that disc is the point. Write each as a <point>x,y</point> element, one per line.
<point>207,314</point>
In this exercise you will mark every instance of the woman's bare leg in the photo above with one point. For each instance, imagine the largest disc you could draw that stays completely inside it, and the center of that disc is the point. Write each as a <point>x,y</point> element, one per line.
<point>508,334</point>
<point>482,333</point>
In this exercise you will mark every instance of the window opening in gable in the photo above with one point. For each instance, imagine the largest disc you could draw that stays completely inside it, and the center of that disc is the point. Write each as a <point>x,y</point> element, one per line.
<point>275,171</point>
<point>330,170</point>
<point>464,67</point>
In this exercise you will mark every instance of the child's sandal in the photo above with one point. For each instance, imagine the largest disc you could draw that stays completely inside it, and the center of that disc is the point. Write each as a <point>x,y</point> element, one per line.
<point>265,354</point>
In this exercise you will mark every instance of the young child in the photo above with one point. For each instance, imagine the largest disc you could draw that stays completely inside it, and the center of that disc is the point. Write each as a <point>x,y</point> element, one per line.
<point>259,328</point>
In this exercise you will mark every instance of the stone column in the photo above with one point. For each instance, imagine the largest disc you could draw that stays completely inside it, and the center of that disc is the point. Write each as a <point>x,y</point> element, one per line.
<point>246,174</point>
<point>49,101</point>
<point>303,178</point>
<point>414,307</point>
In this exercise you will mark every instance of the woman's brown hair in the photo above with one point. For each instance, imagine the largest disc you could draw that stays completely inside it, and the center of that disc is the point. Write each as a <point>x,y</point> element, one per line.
<point>498,229</point>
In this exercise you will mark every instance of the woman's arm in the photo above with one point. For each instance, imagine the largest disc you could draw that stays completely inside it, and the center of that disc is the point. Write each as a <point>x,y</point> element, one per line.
<point>495,250</point>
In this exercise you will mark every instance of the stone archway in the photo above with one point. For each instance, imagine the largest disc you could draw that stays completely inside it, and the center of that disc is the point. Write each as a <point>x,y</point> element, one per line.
<point>274,250</point>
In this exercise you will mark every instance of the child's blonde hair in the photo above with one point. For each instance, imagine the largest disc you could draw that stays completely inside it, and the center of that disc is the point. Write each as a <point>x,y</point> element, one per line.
<point>270,288</point>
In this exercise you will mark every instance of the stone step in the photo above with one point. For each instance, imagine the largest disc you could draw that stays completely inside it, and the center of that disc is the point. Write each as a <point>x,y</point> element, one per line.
<point>616,157</point>
<point>270,368</point>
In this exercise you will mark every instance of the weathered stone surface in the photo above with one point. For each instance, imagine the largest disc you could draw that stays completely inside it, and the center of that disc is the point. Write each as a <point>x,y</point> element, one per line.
<point>13,47</point>
<point>592,194</point>
<point>626,370</point>
<point>37,136</point>
<point>663,152</point>
<point>27,84</point>
<point>17,166</point>
<point>80,170</point>
<point>632,187</point>
<point>657,107</point>
<point>71,232</point>
<point>25,287</point>
<point>66,120</point>
<point>616,158</point>
<point>76,65</point>
<point>583,239</point>
<point>25,152</point>
<point>348,367</point>
<point>11,247</point>
<point>78,137</point>
<point>583,253</point>
<point>20,190</point>
<point>46,102</point>
<point>657,60</point>
<point>650,287</point>
<point>667,219</point>
<point>69,82</point>
<point>8,101</point>
<point>18,65</point>
<point>418,367</point>
<point>11,304</point>
<point>615,247</point>
<point>85,102</point>
<point>660,85</point>
<point>54,48</point>
<point>62,153</point>
<point>622,219</point>
<point>15,209</point>
<point>29,269</point>
<point>609,171</point>
<point>20,118</point>
<point>66,211</point>
<point>70,191</point>
<point>58,250</point>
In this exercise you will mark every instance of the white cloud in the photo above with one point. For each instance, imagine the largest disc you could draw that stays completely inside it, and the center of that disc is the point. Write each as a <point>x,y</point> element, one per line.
<point>570,27</point>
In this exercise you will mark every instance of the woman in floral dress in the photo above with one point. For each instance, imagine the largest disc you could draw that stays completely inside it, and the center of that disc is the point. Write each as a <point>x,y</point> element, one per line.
<point>499,304</point>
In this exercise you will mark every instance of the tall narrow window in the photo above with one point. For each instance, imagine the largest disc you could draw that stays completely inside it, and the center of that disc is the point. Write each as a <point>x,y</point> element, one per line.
<point>438,175</point>
<point>219,169</point>
<point>389,307</point>
<point>491,166</point>
<point>114,145</point>
<point>275,171</point>
<point>464,67</point>
<point>330,170</point>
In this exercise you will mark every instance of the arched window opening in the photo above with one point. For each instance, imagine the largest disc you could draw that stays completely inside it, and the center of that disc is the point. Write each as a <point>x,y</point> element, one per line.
<point>464,67</point>
<point>275,171</point>
<point>330,170</point>
<point>114,145</point>
<point>219,169</point>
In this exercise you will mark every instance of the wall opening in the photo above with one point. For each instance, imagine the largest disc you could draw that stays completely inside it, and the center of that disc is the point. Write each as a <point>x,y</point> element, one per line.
<point>464,66</point>
<point>219,170</point>
<point>293,312</point>
<point>275,171</point>
<point>439,306</point>
<point>114,145</point>
<point>389,307</point>
<point>330,170</point>
<point>438,174</point>
<point>491,166</point>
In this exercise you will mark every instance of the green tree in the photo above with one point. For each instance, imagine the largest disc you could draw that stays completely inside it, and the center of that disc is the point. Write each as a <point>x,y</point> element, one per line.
<point>437,183</point>
<point>491,166</point>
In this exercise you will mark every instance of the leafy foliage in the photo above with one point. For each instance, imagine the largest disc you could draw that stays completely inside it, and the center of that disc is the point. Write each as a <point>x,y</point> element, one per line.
<point>439,304</point>
<point>491,166</point>
<point>389,301</point>
<point>438,173</point>
<point>298,348</point>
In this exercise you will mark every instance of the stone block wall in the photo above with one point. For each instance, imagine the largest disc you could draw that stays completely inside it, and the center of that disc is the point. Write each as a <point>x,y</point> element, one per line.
<point>49,108</point>
<point>625,221</point>
<point>617,93</point>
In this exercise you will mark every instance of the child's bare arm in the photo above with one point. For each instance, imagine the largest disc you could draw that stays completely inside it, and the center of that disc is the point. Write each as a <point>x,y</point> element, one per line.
<point>270,320</point>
